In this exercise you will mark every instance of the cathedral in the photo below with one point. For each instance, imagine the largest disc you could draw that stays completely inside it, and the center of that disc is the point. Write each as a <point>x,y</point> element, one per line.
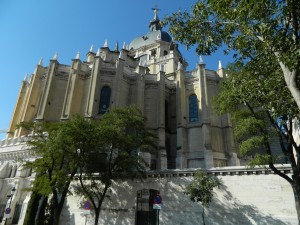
<point>150,73</point>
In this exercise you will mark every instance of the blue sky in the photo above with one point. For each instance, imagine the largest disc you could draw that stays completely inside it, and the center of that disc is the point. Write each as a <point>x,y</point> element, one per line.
<point>34,29</point>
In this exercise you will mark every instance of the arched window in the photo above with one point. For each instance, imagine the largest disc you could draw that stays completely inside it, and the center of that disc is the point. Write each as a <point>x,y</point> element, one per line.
<point>104,99</point>
<point>193,108</point>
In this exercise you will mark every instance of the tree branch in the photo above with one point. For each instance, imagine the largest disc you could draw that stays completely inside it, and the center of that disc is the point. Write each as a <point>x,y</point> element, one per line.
<point>269,152</point>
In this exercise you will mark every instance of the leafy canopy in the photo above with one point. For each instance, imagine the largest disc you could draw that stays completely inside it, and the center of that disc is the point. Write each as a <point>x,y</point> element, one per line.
<point>201,189</point>
<point>247,26</point>
<point>264,35</point>
<point>121,137</point>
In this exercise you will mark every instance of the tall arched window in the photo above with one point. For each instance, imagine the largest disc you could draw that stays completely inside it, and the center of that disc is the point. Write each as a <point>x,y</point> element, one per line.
<point>104,99</point>
<point>193,108</point>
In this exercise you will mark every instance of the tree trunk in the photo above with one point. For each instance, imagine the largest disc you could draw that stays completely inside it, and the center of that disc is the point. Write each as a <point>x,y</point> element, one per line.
<point>291,83</point>
<point>55,217</point>
<point>296,190</point>
<point>98,209</point>
<point>297,204</point>
<point>57,209</point>
<point>203,215</point>
<point>97,216</point>
<point>40,214</point>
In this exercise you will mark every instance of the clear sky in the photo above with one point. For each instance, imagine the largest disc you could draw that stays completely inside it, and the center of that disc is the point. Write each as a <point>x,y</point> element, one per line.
<point>34,29</point>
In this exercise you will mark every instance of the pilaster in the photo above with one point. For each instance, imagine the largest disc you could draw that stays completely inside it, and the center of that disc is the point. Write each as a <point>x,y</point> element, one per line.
<point>70,94</point>
<point>140,97</point>
<point>181,115</point>
<point>116,94</point>
<point>31,99</point>
<point>18,111</point>
<point>46,91</point>
<point>95,76</point>
<point>162,155</point>
<point>205,119</point>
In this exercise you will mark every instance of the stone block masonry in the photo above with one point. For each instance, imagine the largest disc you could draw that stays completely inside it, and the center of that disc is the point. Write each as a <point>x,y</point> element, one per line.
<point>246,196</point>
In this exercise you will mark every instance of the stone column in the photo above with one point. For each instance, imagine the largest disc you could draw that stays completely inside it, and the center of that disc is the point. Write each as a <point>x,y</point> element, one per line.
<point>205,120</point>
<point>161,155</point>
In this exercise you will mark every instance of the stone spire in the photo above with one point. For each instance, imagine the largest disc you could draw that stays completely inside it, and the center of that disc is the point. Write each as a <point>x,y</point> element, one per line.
<point>220,65</point>
<point>55,56</point>
<point>26,78</point>
<point>77,55</point>
<point>92,48</point>
<point>41,62</point>
<point>122,55</point>
<point>124,45</point>
<point>201,60</point>
<point>117,47</point>
<point>105,44</point>
<point>98,52</point>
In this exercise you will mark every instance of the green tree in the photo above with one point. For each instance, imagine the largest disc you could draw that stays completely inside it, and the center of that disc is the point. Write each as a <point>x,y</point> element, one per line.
<point>55,146</point>
<point>201,189</point>
<point>262,110</point>
<point>120,135</point>
<point>251,28</point>
<point>35,212</point>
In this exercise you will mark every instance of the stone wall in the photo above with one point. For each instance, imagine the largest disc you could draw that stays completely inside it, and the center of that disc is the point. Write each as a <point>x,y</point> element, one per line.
<point>245,197</point>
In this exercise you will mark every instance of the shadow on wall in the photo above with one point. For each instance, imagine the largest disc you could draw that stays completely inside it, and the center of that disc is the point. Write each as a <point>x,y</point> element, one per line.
<point>225,209</point>
<point>236,213</point>
<point>177,208</point>
<point>119,208</point>
<point>68,218</point>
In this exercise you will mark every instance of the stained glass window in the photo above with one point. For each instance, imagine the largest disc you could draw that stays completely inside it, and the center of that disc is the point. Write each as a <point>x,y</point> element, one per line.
<point>104,99</point>
<point>193,108</point>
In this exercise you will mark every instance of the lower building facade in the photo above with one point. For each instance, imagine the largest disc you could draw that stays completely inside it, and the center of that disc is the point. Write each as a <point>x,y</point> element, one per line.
<point>245,196</point>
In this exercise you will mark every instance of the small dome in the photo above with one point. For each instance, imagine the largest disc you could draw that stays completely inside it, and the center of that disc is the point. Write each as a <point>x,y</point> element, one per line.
<point>150,38</point>
<point>155,34</point>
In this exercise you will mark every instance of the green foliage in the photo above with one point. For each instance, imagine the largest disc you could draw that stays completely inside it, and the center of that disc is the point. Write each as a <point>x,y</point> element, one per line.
<point>255,98</point>
<point>262,110</point>
<point>121,136</point>
<point>56,148</point>
<point>263,35</point>
<point>265,38</point>
<point>252,143</point>
<point>31,209</point>
<point>35,213</point>
<point>201,189</point>
<point>98,150</point>
<point>249,27</point>
<point>260,160</point>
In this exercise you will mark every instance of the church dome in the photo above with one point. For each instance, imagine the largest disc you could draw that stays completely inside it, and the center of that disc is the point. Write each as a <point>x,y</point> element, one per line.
<point>155,34</point>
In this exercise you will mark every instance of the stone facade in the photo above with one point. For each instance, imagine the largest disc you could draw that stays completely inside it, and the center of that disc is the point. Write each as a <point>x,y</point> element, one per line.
<point>246,196</point>
<point>151,74</point>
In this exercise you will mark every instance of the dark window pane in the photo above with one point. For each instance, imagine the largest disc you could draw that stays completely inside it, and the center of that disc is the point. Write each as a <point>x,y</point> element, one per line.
<point>104,99</point>
<point>193,108</point>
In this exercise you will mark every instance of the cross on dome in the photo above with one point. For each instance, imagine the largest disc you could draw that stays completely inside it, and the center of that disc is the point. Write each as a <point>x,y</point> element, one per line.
<point>155,9</point>
<point>155,23</point>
